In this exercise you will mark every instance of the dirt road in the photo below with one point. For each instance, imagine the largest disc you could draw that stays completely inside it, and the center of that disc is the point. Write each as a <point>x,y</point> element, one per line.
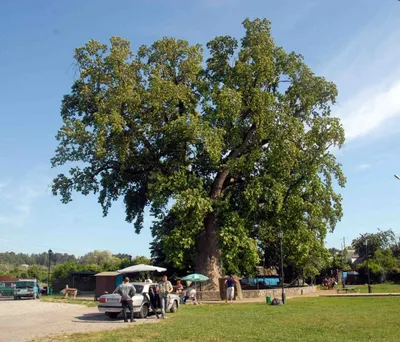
<point>25,320</point>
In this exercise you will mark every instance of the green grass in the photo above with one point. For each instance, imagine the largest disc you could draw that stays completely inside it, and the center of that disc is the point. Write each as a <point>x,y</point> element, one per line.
<point>380,288</point>
<point>61,299</point>
<point>301,319</point>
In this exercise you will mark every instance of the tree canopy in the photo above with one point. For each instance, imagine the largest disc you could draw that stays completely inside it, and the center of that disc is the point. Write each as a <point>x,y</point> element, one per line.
<point>379,241</point>
<point>31,259</point>
<point>231,150</point>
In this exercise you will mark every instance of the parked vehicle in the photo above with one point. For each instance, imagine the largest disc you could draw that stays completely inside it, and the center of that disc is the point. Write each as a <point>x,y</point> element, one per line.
<point>7,288</point>
<point>27,288</point>
<point>110,304</point>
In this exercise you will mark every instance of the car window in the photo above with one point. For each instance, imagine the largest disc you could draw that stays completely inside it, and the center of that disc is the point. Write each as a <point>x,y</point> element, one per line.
<point>139,289</point>
<point>24,284</point>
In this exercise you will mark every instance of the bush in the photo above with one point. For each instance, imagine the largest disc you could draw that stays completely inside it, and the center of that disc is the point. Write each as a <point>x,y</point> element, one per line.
<point>394,275</point>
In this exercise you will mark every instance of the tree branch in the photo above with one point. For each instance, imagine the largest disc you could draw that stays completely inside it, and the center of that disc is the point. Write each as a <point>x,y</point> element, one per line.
<point>237,151</point>
<point>231,184</point>
<point>223,173</point>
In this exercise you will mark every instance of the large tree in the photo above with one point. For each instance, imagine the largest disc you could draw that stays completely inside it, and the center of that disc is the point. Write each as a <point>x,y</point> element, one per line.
<point>381,240</point>
<point>231,150</point>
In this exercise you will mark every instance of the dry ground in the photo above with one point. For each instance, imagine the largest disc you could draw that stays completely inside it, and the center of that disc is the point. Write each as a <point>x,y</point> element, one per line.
<point>25,320</point>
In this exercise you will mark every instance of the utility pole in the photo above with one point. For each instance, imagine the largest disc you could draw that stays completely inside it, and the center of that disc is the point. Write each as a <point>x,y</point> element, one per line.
<point>369,281</point>
<point>280,235</point>
<point>50,252</point>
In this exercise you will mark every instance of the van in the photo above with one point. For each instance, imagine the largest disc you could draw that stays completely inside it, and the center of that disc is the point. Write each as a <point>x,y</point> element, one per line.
<point>26,288</point>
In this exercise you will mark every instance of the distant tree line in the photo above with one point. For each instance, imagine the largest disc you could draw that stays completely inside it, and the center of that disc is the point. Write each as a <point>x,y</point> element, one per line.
<point>63,265</point>
<point>383,254</point>
<point>41,259</point>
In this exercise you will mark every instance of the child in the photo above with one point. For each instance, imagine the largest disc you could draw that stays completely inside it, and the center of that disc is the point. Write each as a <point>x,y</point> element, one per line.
<point>179,287</point>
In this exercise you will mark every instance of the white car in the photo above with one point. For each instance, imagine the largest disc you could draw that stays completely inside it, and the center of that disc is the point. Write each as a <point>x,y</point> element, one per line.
<point>110,304</point>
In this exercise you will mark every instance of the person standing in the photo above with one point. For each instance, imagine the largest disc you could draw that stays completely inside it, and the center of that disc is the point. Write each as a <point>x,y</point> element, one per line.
<point>164,289</point>
<point>126,290</point>
<point>230,288</point>
<point>148,280</point>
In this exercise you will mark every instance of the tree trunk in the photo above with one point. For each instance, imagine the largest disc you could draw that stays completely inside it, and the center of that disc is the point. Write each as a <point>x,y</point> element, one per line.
<point>208,254</point>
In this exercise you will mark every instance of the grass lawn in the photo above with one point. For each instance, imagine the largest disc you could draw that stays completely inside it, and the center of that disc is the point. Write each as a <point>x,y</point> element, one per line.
<point>380,288</point>
<point>61,299</point>
<point>301,319</point>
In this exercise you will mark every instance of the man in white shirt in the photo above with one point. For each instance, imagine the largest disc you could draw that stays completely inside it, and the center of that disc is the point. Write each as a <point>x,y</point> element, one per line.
<point>164,289</point>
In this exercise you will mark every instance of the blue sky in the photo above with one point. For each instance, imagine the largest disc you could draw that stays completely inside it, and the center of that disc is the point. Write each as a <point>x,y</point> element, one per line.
<point>353,43</point>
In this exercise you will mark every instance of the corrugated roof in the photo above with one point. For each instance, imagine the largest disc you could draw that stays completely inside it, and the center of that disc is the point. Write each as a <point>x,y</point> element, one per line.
<point>107,274</point>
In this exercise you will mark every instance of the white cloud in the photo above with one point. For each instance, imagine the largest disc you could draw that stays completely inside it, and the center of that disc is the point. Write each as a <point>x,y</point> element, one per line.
<point>370,110</point>
<point>363,167</point>
<point>16,202</point>
<point>367,74</point>
<point>18,197</point>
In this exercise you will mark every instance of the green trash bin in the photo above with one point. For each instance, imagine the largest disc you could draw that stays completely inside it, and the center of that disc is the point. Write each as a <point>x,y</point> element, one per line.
<point>268,300</point>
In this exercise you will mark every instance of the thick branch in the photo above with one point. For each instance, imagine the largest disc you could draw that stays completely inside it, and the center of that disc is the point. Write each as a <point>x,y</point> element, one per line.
<point>224,172</point>
<point>239,150</point>
<point>232,183</point>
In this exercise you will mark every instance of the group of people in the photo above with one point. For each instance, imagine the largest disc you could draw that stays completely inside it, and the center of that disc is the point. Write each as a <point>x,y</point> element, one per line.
<point>330,283</point>
<point>127,291</point>
<point>191,291</point>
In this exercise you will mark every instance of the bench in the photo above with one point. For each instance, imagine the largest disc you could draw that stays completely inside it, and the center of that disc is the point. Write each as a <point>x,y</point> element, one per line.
<point>347,289</point>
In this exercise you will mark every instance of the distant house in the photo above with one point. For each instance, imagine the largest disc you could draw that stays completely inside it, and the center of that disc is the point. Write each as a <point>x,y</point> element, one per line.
<point>352,257</point>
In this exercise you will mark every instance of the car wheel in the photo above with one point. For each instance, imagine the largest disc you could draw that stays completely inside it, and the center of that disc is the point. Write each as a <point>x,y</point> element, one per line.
<point>144,311</point>
<point>112,315</point>
<point>174,306</point>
